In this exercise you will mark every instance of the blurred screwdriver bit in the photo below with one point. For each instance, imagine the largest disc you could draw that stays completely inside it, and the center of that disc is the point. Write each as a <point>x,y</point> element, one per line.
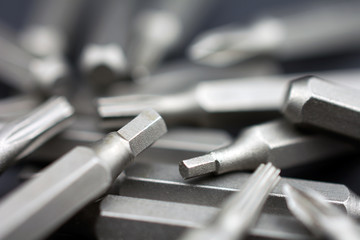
<point>311,31</point>
<point>22,136</point>
<point>45,202</point>
<point>27,73</point>
<point>319,216</point>
<point>312,101</point>
<point>277,142</point>
<point>216,103</point>
<point>241,210</point>
<point>50,25</point>
<point>103,58</point>
<point>178,19</point>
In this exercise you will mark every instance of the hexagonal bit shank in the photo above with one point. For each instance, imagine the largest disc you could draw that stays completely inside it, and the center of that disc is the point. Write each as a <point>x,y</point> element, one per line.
<point>45,202</point>
<point>316,102</point>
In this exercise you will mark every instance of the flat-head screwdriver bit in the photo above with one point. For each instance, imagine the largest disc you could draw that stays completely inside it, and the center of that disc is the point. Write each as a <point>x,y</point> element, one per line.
<point>23,135</point>
<point>241,210</point>
<point>288,35</point>
<point>50,26</point>
<point>45,202</point>
<point>313,101</point>
<point>27,73</point>
<point>103,59</point>
<point>216,103</point>
<point>278,142</point>
<point>319,216</point>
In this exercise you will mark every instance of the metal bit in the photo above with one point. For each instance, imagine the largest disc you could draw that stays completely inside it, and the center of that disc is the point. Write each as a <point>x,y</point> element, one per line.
<point>315,102</point>
<point>282,36</point>
<point>45,202</point>
<point>171,219</point>
<point>103,59</point>
<point>241,210</point>
<point>149,46</point>
<point>22,136</point>
<point>27,73</point>
<point>50,25</point>
<point>319,216</point>
<point>248,101</point>
<point>277,142</point>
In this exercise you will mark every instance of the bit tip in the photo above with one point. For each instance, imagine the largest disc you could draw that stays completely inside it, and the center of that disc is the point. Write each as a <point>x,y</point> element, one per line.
<point>143,131</point>
<point>103,61</point>
<point>197,166</point>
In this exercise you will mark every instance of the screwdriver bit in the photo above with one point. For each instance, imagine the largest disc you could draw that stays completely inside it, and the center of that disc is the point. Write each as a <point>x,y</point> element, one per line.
<point>103,58</point>
<point>282,35</point>
<point>248,100</point>
<point>323,219</point>
<point>171,219</point>
<point>148,43</point>
<point>45,202</point>
<point>312,101</point>
<point>241,210</point>
<point>276,141</point>
<point>23,135</point>
<point>161,181</point>
<point>27,73</point>
<point>50,26</point>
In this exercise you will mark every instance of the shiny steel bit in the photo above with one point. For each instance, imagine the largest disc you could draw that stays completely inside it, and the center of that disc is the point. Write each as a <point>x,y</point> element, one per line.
<point>236,102</point>
<point>241,210</point>
<point>319,216</point>
<point>172,218</point>
<point>312,101</point>
<point>22,136</point>
<point>45,202</point>
<point>277,141</point>
<point>27,73</point>
<point>283,36</point>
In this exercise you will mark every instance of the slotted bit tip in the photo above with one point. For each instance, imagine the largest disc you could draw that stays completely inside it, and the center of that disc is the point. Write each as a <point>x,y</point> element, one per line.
<point>197,166</point>
<point>143,131</point>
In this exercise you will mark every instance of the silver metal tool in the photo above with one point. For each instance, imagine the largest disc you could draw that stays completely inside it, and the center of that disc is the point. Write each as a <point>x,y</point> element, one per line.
<point>319,216</point>
<point>236,102</point>
<point>171,219</point>
<point>312,101</point>
<point>45,202</point>
<point>241,210</point>
<point>27,73</point>
<point>23,135</point>
<point>277,142</point>
<point>50,25</point>
<point>290,35</point>
<point>157,180</point>
<point>103,58</point>
<point>148,43</point>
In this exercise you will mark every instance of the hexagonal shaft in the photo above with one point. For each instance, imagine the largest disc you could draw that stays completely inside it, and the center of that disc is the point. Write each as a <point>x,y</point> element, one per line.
<point>315,102</point>
<point>277,142</point>
<point>45,202</point>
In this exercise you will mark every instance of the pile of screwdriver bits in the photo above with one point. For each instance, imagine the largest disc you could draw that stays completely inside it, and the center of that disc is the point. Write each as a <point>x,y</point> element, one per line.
<point>179,119</point>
